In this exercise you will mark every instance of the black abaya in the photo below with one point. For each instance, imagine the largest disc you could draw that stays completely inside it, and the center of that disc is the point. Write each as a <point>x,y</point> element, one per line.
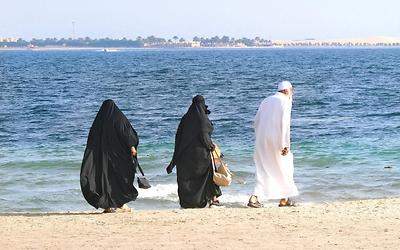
<point>192,157</point>
<point>107,171</point>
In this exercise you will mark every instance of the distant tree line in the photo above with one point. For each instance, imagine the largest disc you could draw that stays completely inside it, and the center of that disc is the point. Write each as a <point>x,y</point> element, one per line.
<point>174,42</point>
<point>140,42</point>
<point>85,42</point>
<point>18,43</point>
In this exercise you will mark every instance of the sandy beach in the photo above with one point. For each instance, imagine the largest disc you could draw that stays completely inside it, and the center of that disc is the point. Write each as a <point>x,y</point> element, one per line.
<point>366,224</point>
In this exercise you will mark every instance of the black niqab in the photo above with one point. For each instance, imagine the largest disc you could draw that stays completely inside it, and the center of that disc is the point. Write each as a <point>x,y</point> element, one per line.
<point>107,171</point>
<point>192,157</point>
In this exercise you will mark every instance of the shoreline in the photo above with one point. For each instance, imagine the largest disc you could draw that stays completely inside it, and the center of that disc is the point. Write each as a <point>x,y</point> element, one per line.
<point>117,49</point>
<point>268,204</point>
<point>366,224</point>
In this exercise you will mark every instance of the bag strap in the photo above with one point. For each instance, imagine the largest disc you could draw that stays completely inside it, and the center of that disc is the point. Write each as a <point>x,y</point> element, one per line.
<point>138,165</point>
<point>219,157</point>
<point>140,169</point>
<point>214,167</point>
<point>222,162</point>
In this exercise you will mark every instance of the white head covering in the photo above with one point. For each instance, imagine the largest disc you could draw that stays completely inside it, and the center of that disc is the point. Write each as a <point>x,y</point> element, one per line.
<point>284,85</point>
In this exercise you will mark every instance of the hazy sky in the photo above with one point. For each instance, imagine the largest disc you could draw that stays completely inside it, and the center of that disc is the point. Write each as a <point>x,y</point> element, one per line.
<point>277,19</point>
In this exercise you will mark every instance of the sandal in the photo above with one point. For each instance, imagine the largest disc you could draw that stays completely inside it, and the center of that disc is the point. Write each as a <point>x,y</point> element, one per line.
<point>289,203</point>
<point>255,204</point>
<point>216,203</point>
<point>109,210</point>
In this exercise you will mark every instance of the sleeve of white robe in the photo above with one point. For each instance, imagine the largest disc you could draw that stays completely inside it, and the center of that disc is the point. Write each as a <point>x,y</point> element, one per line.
<point>286,125</point>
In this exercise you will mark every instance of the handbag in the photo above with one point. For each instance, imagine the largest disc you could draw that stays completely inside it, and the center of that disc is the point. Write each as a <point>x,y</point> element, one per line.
<point>222,176</point>
<point>142,181</point>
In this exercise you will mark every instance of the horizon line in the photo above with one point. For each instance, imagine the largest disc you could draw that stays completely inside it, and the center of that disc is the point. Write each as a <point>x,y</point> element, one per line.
<point>204,37</point>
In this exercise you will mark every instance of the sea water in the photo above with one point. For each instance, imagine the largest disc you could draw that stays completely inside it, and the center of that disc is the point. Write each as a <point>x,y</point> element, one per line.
<point>345,118</point>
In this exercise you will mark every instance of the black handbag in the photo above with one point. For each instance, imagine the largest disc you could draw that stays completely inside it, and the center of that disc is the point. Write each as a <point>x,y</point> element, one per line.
<point>142,181</point>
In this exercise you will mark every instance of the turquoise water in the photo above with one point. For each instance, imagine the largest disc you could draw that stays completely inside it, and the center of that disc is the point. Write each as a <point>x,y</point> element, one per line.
<point>345,118</point>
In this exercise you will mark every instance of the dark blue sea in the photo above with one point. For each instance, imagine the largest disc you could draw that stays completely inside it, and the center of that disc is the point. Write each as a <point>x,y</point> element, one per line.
<point>345,118</point>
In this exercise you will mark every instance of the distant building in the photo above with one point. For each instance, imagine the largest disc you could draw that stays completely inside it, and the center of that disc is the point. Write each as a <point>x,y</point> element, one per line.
<point>195,44</point>
<point>240,45</point>
<point>8,40</point>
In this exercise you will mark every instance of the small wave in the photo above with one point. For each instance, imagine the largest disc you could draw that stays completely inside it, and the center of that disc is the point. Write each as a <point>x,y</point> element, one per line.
<point>315,103</point>
<point>169,192</point>
<point>160,192</point>
<point>43,164</point>
<point>61,79</point>
<point>108,50</point>
<point>161,71</point>
<point>384,115</point>
<point>234,198</point>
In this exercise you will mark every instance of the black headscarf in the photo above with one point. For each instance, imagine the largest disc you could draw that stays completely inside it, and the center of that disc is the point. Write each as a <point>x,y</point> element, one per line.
<point>107,171</point>
<point>193,123</point>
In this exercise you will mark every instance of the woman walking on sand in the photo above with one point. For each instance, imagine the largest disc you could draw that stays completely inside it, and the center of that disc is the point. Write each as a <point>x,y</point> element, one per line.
<point>192,158</point>
<point>107,171</point>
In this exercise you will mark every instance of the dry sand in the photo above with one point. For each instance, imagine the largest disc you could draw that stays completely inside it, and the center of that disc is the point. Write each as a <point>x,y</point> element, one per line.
<point>367,224</point>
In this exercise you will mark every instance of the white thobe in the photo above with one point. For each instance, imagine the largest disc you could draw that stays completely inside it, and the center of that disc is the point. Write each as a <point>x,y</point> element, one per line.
<point>274,172</point>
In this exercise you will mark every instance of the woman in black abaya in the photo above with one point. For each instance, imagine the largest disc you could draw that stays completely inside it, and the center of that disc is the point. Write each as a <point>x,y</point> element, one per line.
<point>192,158</point>
<point>107,171</point>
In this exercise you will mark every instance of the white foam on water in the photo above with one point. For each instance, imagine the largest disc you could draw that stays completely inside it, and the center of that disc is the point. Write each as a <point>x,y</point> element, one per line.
<point>160,192</point>
<point>234,198</point>
<point>170,192</point>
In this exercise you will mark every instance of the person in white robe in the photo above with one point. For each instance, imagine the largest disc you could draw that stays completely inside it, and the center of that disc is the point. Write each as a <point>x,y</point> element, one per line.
<point>273,157</point>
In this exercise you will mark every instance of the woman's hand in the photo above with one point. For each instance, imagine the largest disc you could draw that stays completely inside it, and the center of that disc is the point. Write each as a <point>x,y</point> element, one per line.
<point>133,151</point>
<point>169,168</point>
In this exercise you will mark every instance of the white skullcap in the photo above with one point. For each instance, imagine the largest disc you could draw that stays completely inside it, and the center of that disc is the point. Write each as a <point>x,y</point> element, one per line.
<point>284,85</point>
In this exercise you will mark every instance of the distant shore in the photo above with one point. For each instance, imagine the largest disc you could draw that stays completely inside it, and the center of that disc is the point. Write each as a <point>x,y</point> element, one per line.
<point>366,224</point>
<point>115,49</point>
<point>152,42</point>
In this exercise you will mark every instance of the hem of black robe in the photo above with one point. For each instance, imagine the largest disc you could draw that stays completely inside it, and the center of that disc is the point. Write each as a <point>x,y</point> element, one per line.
<point>116,205</point>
